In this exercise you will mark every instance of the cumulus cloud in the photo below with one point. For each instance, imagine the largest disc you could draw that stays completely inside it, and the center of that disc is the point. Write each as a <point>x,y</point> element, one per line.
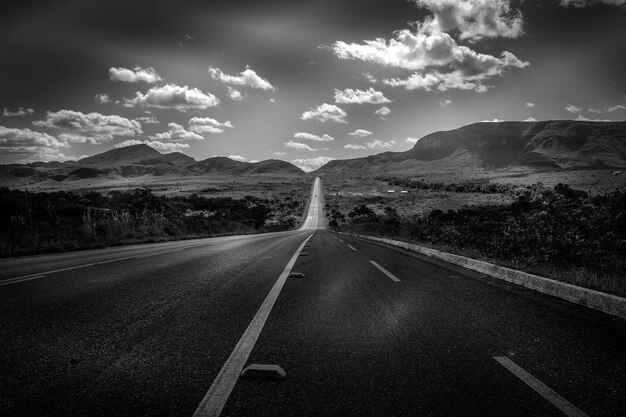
<point>530,105</point>
<point>234,94</point>
<point>98,126</point>
<point>445,103</point>
<point>379,144</point>
<point>238,158</point>
<point>178,133</point>
<point>383,111</point>
<point>473,19</point>
<point>20,112</point>
<point>530,119</point>
<point>172,96</point>
<point>412,140</point>
<point>207,125</point>
<point>248,78</point>
<point>147,119</point>
<point>350,96</point>
<point>25,145</point>
<point>309,136</point>
<point>300,146</point>
<point>438,60</point>
<point>159,146</point>
<point>278,153</point>
<point>325,112</point>
<point>102,98</point>
<point>582,118</point>
<point>496,120</point>
<point>354,146</point>
<point>609,109</point>
<point>585,3</point>
<point>573,108</point>
<point>137,74</point>
<point>360,133</point>
<point>311,164</point>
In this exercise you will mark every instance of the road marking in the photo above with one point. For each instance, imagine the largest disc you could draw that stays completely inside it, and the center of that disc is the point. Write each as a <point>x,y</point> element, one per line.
<point>352,247</point>
<point>341,241</point>
<point>384,271</point>
<point>3,283</point>
<point>217,395</point>
<point>546,392</point>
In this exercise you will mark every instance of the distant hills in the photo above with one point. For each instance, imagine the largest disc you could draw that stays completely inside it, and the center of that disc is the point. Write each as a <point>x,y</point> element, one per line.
<point>141,160</point>
<point>546,145</point>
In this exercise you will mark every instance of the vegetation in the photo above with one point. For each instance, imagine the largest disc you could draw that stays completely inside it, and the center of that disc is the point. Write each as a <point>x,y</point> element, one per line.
<point>561,232</point>
<point>61,221</point>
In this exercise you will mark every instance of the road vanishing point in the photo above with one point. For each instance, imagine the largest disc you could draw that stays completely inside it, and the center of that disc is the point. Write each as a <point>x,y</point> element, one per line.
<point>359,328</point>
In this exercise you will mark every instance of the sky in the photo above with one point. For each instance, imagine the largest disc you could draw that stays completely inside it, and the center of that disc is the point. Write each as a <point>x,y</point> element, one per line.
<point>302,81</point>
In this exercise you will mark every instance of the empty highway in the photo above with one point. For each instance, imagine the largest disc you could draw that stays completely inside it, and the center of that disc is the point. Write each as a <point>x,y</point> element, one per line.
<point>363,329</point>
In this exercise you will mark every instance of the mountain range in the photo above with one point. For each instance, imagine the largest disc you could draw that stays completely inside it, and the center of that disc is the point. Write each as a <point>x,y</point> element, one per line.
<point>532,146</point>
<point>527,146</point>
<point>140,160</point>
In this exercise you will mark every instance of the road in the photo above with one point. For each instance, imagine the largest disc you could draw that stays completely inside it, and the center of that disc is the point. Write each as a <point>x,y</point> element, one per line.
<point>164,330</point>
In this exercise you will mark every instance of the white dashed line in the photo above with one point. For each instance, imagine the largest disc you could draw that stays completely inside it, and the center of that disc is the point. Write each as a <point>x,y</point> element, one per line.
<point>384,271</point>
<point>542,389</point>
<point>352,247</point>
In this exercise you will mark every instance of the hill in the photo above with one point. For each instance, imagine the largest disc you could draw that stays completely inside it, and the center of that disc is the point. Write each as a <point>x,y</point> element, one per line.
<point>546,145</point>
<point>140,161</point>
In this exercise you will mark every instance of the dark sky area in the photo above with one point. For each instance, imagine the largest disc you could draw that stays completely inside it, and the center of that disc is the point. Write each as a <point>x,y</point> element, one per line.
<point>303,81</point>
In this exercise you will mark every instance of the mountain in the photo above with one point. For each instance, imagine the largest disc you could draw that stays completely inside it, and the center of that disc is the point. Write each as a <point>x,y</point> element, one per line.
<point>546,145</point>
<point>138,161</point>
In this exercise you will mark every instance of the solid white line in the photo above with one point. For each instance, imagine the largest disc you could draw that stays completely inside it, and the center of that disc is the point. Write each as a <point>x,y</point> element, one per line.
<point>352,247</point>
<point>3,283</point>
<point>559,402</point>
<point>384,271</point>
<point>217,395</point>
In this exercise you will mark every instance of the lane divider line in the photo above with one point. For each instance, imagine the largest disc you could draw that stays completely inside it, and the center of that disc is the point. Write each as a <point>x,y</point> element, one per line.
<point>352,247</point>
<point>21,280</point>
<point>384,271</point>
<point>217,395</point>
<point>341,241</point>
<point>542,389</point>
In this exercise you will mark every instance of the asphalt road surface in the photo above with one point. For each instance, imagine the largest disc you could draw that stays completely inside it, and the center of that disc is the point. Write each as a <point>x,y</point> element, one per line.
<point>165,329</point>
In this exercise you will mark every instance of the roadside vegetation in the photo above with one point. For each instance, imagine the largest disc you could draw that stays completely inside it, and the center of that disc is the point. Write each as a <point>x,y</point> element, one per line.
<point>62,221</point>
<point>557,232</point>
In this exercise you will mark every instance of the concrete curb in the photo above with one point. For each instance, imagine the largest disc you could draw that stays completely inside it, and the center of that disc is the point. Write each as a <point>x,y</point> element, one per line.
<point>607,303</point>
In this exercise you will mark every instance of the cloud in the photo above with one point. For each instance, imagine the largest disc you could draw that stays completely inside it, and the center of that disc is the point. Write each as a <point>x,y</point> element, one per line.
<point>309,136</point>
<point>376,144</point>
<point>366,76</point>
<point>300,146</point>
<point>609,109</point>
<point>412,140</point>
<point>585,3</point>
<point>20,112</point>
<point>238,158</point>
<point>325,112</point>
<point>438,61</point>
<point>361,133</point>
<point>25,145</point>
<point>445,103</point>
<point>496,120</point>
<point>247,78</point>
<point>530,119</point>
<point>354,146</point>
<point>178,133</point>
<point>383,111</point>
<point>172,96</point>
<point>137,74</point>
<point>102,98</point>
<point>234,94</point>
<point>582,118</point>
<point>473,19</point>
<point>147,119</point>
<point>573,108</point>
<point>350,96</point>
<point>207,125</point>
<point>530,105</point>
<point>311,164</point>
<point>159,146</point>
<point>379,144</point>
<point>276,153</point>
<point>98,126</point>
